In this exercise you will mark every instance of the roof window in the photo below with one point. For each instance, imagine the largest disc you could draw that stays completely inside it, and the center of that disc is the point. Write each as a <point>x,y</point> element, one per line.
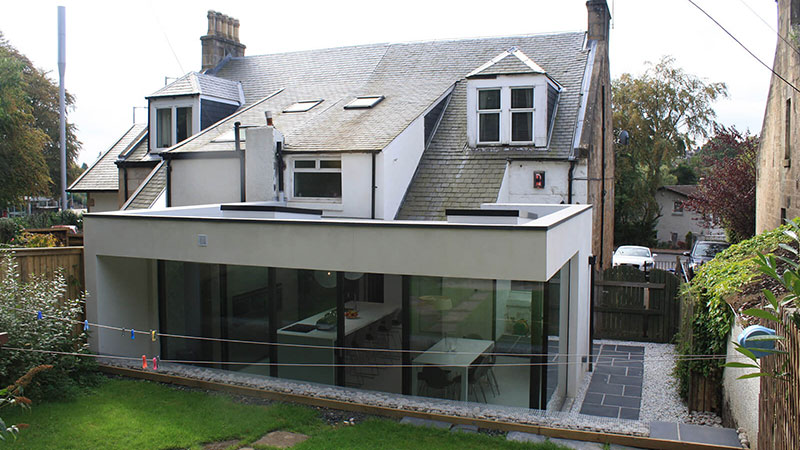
<point>364,102</point>
<point>302,106</point>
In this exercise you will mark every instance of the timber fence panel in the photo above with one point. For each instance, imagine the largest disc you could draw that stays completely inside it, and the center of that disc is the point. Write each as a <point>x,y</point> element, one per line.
<point>779,401</point>
<point>46,262</point>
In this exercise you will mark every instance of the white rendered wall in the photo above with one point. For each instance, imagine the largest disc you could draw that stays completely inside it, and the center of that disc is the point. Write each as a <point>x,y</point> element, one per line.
<point>356,179</point>
<point>741,396</point>
<point>517,185</point>
<point>131,283</point>
<point>398,163</point>
<point>680,223</point>
<point>204,181</point>
<point>260,164</point>
<point>103,201</point>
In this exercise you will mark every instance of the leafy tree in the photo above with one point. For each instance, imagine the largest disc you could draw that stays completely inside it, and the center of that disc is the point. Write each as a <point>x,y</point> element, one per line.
<point>726,195</point>
<point>664,111</point>
<point>30,158</point>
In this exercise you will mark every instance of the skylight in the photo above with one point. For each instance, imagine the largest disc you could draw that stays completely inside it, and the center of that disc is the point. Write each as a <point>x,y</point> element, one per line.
<point>303,106</point>
<point>364,102</point>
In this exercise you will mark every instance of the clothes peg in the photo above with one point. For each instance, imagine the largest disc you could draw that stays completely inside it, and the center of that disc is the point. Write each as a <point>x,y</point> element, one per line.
<point>132,336</point>
<point>39,315</point>
<point>155,363</point>
<point>144,362</point>
<point>153,335</point>
<point>85,325</point>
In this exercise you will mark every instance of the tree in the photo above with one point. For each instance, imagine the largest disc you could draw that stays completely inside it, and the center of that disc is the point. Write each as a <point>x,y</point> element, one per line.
<point>33,101</point>
<point>726,195</point>
<point>664,111</point>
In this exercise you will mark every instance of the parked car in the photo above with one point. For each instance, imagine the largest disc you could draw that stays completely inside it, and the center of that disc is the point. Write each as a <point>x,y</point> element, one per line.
<point>633,255</point>
<point>703,252</point>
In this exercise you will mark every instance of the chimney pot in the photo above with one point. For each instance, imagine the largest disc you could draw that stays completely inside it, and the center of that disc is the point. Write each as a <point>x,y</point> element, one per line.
<point>268,114</point>
<point>211,17</point>
<point>218,24</point>
<point>236,30</point>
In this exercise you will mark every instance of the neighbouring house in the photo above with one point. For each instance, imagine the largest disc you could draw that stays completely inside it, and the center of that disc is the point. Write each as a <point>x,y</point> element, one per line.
<point>448,194</point>
<point>676,222</point>
<point>778,172</point>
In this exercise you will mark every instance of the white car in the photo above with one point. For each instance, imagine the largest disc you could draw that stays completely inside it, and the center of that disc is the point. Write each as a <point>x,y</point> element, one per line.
<point>633,255</point>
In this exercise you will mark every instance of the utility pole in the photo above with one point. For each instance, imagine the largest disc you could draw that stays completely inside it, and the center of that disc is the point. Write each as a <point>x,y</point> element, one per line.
<point>62,110</point>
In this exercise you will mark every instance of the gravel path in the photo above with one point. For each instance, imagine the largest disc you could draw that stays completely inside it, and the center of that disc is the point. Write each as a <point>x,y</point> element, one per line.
<point>556,419</point>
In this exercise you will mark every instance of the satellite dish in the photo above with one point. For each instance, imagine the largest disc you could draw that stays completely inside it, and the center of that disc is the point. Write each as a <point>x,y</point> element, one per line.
<point>623,137</point>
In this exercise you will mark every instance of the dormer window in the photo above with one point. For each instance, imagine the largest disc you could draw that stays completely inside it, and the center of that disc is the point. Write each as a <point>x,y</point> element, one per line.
<point>489,115</point>
<point>510,101</point>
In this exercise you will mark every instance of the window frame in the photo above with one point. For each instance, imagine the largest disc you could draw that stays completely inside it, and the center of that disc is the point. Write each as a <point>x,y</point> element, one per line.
<point>295,107</point>
<point>512,110</point>
<point>173,105</point>
<point>481,112</point>
<point>316,169</point>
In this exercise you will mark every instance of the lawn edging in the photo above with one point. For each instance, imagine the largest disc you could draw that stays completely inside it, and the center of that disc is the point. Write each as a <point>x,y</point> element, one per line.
<point>589,436</point>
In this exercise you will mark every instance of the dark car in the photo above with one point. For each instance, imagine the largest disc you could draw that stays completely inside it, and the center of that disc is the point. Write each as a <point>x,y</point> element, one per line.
<point>702,252</point>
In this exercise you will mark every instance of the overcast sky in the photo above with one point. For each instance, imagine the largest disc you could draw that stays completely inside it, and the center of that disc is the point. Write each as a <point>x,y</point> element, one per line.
<point>117,53</point>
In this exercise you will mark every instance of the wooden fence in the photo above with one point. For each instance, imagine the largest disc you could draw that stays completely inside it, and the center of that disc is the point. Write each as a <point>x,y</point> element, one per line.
<point>46,261</point>
<point>779,402</point>
<point>633,305</point>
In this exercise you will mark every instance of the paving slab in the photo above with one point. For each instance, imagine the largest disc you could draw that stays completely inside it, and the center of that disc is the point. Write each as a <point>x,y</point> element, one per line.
<point>664,430</point>
<point>600,410</point>
<point>281,439</point>
<point>416,421</point>
<point>518,436</point>
<point>222,445</point>
<point>464,428</point>
<point>616,386</point>
<point>708,435</point>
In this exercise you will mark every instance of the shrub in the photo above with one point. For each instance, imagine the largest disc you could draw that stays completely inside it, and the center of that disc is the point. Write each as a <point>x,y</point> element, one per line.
<point>56,331</point>
<point>716,282</point>
<point>8,230</point>
<point>35,240</point>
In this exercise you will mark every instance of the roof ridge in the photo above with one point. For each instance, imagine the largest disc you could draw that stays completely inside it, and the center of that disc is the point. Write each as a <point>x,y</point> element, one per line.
<point>421,41</point>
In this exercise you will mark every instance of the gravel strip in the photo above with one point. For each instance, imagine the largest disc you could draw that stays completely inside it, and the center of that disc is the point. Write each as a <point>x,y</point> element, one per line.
<point>555,419</point>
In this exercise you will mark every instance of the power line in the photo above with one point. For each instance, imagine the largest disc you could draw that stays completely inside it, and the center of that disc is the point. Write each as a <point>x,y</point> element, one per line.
<point>310,346</point>
<point>743,46</point>
<point>769,26</point>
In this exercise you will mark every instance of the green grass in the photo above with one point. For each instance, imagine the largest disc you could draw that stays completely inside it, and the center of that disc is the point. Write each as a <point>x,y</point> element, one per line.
<point>127,414</point>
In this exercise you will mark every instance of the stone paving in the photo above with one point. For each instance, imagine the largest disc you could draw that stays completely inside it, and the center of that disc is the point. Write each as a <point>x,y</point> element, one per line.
<point>616,387</point>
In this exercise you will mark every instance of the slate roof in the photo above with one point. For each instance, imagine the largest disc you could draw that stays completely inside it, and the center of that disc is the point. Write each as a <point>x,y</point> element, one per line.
<point>511,61</point>
<point>198,83</point>
<point>150,189</point>
<point>410,75</point>
<point>681,189</point>
<point>103,175</point>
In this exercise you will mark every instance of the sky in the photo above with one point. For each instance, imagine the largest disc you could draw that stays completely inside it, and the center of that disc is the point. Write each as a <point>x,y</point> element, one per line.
<point>117,53</point>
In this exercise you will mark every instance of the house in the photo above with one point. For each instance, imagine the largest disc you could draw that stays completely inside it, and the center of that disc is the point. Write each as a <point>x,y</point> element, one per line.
<point>676,223</point>
<point>777,174</point>
<point>421,198</point>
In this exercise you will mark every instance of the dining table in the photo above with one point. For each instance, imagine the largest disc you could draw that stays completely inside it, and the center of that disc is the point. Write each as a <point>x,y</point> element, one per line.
<point>453,354</point>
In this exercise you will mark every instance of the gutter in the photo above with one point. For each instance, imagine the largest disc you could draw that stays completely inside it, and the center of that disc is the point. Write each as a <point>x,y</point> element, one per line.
<point>169,183</point>
<point>372,190</point>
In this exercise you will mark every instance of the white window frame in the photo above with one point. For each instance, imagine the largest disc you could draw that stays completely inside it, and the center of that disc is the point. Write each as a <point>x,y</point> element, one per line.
<point>539,83</point>
<point>317,169</point>
<point>174,104</point>
<point>480,112</point>
<point>512,110</point>
<point>302,106</point>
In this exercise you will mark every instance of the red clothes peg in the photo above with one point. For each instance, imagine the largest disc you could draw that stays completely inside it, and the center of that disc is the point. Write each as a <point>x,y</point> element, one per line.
<point>144,362</point>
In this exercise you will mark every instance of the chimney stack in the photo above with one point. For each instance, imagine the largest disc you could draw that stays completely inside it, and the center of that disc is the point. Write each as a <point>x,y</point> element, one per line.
<point>221,40</point>
<point>599,19</point>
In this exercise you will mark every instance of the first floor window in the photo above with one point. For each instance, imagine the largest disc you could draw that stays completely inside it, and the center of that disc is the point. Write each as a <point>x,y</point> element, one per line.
<point>489,115</point>
<point>164,127</point>
<point>522,115</point>
<point>183,125</point>
<point>318,178</point>
<point>677,207</point>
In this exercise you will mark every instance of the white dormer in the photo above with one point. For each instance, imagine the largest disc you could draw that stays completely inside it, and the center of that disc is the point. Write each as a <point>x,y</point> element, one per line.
<point>188,105</point>
<point>510,101</point>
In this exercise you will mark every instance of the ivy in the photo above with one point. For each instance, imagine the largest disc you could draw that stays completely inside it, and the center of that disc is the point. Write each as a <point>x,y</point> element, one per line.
<point>716,282</point>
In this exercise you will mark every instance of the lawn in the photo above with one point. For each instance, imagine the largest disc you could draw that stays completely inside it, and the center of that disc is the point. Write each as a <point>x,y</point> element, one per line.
<point>127,414</point>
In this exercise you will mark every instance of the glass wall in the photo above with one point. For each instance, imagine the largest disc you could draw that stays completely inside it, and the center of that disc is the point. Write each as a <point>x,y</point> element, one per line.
<point>489,341</point>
